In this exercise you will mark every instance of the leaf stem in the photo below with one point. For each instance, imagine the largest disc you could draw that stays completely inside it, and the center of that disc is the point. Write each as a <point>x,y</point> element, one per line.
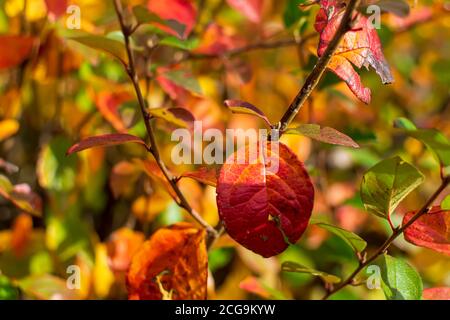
<point>317,73</point>
<point>131,71</point>
<point>397,232</point>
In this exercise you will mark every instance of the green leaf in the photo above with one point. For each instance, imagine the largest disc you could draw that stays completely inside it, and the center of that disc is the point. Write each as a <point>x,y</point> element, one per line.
<point>399,280</point>
<point>184,80</point>
<point>403,123</point>
<point>290,266</point>
<point>445,204</point>
<point>326,135</point>
<point>356,242</point>
<point>386,184</point>
<point>102,43</point>
<point>143,16</point>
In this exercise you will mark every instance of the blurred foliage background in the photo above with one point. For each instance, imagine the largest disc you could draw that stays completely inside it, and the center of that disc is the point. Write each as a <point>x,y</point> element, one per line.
<point>94,209</point>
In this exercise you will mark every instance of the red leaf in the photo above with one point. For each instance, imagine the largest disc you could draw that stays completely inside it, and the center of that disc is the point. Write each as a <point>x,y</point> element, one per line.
<point>436,294</point>
<point>173,263</point>
<point>15,49</point>
<point>204,175</point>
<point>181,11</point>
<point>360,47</point>
<point>265,209</point>
<point>56,8</point>
<point>105,140</point>
<point>252,9</point>
<point>430,231</point>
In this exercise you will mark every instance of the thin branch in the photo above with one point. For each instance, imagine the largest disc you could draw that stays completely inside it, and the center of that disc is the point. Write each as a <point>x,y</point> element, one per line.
<point>248,48</point>
<point>316,75</point>
<point>424,210</point>
<point>131,71</point>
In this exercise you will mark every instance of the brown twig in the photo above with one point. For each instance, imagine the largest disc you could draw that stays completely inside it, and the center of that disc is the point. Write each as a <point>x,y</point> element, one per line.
<point>388,242</point>
<point>316,75</point>
<point>248,48</point>
<point>131,71</point>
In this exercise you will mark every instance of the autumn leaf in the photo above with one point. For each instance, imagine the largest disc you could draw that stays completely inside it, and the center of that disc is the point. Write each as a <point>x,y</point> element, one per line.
<point>173,261</point>
<point>262,208</point>
<point>360,47</point>
<point>106,140</point>
<point>181,11</point>
<point>442,293</point>
<point>430,231</point>
<point>251,9</point>
<point>15,49</point>
<point>178,116</point>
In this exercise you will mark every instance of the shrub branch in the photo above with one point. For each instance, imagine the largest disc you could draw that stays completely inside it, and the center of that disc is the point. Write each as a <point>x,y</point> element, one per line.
<point>132,73</point>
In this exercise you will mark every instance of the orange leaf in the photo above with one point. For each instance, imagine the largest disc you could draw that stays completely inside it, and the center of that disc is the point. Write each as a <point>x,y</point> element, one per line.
<point>432,230</point>
<point>265,209</point>
<point>173,261</point>
<point>15,49</point>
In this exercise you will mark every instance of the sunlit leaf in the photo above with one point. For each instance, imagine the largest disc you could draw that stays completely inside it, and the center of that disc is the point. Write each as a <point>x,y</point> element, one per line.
<point>386,184</point>
<point>266,201</point>
<point>399,280</point>
<point>430,230</point>
<point>178,116</point>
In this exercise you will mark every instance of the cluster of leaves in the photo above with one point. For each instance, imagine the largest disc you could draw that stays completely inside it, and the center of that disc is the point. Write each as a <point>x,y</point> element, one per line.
<point>126,217</point>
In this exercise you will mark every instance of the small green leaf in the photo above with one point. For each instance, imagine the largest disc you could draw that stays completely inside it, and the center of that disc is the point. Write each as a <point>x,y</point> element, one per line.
<point>386,184</point>
<point>326,135</point>
<point>445,204</point>
<point>290,266</point>
<point>356,242</point>
<point>7,290</point>
<point>403,123</point>
<point>399,280</point>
